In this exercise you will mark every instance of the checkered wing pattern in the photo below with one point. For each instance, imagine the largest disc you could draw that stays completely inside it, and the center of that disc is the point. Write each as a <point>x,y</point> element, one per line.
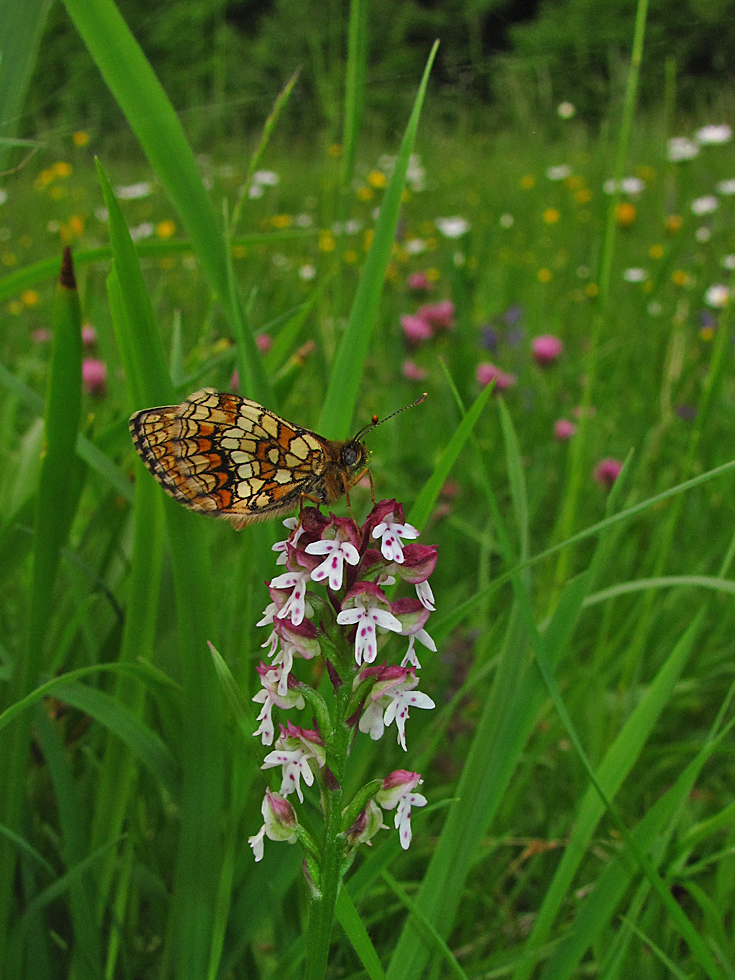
<point>227,456</point>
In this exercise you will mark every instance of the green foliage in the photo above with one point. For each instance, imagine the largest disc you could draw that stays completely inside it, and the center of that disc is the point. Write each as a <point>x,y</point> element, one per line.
<point>222,63</point>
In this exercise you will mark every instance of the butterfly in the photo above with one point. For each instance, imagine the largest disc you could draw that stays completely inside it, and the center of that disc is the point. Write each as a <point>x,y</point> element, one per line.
<point>220,454</point>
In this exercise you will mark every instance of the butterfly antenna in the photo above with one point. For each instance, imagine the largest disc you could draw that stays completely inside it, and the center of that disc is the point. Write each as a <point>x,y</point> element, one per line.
<point>375,422</point>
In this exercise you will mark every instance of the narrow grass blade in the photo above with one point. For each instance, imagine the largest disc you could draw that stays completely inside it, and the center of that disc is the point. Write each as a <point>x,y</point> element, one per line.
<point>597,909</point>
<point>74,830</point>
<point>616,765</point>
<point>201,747</point>
<point>58,494</point>
<point>354,87</point>
<point>86,450</point>
<point>425,501</point>
<point>131,80</point>
<point>347,369</point>
<point>21,26</point>
<point>349,919</point>
<point>516,479</point>
<point>140,739</point>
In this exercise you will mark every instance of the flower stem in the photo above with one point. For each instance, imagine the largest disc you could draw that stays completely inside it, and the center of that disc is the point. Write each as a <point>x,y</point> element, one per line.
<point>324,901</point>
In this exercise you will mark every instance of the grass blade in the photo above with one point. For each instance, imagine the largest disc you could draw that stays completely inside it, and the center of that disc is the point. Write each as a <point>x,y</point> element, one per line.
<point>341,394</point>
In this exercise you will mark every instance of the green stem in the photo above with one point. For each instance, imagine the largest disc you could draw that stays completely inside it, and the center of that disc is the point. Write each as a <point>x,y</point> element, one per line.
<point>324,901</point>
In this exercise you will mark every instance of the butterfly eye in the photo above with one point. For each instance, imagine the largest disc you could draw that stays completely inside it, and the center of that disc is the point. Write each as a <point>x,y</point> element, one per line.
<point>350,455</point>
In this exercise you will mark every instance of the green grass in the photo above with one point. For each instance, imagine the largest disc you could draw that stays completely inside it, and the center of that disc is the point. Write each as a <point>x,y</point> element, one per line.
<point>578,767</point>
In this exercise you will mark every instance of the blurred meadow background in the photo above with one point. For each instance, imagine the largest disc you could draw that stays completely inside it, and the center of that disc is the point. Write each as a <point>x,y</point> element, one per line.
<point>559,224</point>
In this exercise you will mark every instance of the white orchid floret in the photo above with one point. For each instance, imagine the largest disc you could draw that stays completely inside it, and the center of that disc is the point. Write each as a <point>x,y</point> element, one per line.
<point>270,695</point>
<point>337,550</point>
<point>390,699</point>
<point>294,526</point>
<point>397,793</point>
<point>279,823</point>
<point>367,607</point>
<point>390,533</point>
<point>410,659</point>
<point>295,606</point>
<point>294,750</point>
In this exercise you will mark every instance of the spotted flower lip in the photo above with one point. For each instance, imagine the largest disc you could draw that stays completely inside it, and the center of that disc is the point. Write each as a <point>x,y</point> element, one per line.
<point>391,532</point>
<point>367,608</point>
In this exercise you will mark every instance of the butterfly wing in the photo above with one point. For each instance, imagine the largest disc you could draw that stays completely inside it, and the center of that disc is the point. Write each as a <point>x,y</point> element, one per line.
<point>227,456</point>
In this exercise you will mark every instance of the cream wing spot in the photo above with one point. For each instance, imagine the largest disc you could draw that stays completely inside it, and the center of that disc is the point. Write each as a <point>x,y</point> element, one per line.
<point>299,448</point>
<point>269,423</point>
<point>274,455</point>
<point>283,476</point>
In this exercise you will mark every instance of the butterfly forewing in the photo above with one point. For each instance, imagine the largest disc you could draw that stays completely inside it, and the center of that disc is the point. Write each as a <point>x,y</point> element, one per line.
<point>224,455</point>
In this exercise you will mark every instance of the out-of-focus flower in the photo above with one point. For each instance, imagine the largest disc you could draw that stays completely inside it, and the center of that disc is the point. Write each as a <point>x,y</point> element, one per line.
<point>487,372</point>
<point>415,246</point>
<point>132,192</point>
<point>679,149</point>
<point>3,196</point>
<point>607,472</point>
<point>453,227</point>
<point>418,282</point>
<point>628,185</point>
<point>263,342</point>
<point>728,262</point>
<point>635,275</point>
<point>41,336</point>
<point>551,216</point>
<point>726,187</point>
<point>704,205</point>
<point>165,228</point>
<point>713,135</point>
<point>438,315</point>
<point>717,296</point>
<point>89,335</point>
<point>94,376</point>
<point>415,328</point>
<point>559,172</point>
<point>412,372</point>
<point>307,272</point>
<point>30,297</point>
<point>565,110</point>
<point>673,223</point>
<point>625,213</point>
<point>506,220</point>
<point>546,349</point>
<point>703,234</point>
<point>80,138</point>
<point>564,429</point>
<point>143,230</point>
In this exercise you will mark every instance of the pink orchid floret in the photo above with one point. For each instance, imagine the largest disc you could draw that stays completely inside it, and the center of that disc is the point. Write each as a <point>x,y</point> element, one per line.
<point>397,793</point>
<point>367,608</point>
<point>294,750</point>
<point>339,544</point>
<point>279,823</point>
